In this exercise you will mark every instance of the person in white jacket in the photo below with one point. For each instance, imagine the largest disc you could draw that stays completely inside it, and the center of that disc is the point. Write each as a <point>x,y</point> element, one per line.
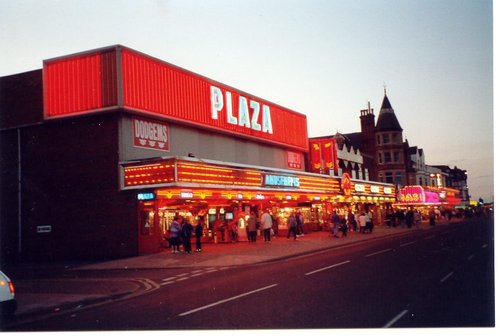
<point>266,222</point>
<point>362,222</point>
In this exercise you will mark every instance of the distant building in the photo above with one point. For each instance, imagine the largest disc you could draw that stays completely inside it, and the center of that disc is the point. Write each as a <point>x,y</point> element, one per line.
<point>382,145</point>
<point>337,154</point>
<point>453,178</point>
<point>385,157</point>
<point>417,172</point>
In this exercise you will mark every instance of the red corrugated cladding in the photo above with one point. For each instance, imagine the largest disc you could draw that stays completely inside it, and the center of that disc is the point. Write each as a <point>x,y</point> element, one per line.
<point>122,77</point>
<point>80,83</point>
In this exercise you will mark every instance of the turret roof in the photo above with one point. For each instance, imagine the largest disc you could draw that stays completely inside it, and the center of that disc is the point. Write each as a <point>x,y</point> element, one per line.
<point>387,120</point>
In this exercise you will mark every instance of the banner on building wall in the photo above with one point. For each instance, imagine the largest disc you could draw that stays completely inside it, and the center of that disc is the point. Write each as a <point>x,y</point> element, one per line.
<point>150,134</point>
<point>294,160</point>
<point>315,157</point>
<point>327,153</point>
<point>323,155</point>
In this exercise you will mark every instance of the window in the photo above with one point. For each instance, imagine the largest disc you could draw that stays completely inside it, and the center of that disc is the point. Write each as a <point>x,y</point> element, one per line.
<point>396,156</point>
<point>388,177</point>
<point>399,178</point>
<point>378,139</point>
<point>380,158</point>
<point>385,138</point>
<point>387,157</point>
<point>395,138</point>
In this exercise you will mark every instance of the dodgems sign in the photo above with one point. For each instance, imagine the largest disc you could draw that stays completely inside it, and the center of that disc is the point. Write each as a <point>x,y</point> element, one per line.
<point>150,134</point>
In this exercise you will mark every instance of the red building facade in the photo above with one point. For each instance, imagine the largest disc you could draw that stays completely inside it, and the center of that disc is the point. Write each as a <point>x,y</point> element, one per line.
<point>101,149</point>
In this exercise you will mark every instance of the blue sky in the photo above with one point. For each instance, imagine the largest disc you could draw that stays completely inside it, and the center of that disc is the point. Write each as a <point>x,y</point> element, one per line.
<point>325,59</point>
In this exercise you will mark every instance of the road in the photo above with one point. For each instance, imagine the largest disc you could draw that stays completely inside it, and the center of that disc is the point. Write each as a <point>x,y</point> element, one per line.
<point>443,277</point>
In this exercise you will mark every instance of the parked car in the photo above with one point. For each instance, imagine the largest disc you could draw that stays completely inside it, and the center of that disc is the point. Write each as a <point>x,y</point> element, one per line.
<point>8,304</point>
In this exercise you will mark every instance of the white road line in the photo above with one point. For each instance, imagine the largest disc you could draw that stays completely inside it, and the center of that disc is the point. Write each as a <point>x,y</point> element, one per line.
<point>169,279</point>
<point>226,300</point>
<point>409,243</point>
<point>167,283</point>
<point>470,257</point>
<point>446,277</point>
<point>395,319</point>
<point>379,252</point>
<point>196,274</point>
<point>484,246</point>
<point>183,278</point>
<point>328,267</point>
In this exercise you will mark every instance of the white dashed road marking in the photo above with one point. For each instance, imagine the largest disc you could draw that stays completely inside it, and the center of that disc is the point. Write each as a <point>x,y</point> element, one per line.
<point>227,300</point>
<point>379,252</point>
<point>328,267</point>
<point>446,277</point>
<point>396,318</point>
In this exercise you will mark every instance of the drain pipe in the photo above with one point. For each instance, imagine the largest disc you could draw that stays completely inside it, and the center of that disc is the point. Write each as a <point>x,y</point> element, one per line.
<point>19,195</point>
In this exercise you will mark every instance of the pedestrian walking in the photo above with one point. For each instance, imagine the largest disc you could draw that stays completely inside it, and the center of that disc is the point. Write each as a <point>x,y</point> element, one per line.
<point>300,223</point>
<point>352,221</point>
<point>417,217</point>
<point>369,221</point>
<point>343,227</point>
<point>233,231</point>
<point>335,223</point>
<point>175,231</point>
<point>432,218</point>
<point>198,232</point>
<point>252,227</point>
<point>267,223</point>
<point>362,222</point>
<point>292,226</point>
<point>187,232</point>
<point>409,218</point>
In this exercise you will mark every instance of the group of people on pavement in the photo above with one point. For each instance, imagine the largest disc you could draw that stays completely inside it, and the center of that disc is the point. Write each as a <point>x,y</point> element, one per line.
<point>181,231</point>
<point>362,221</point>
<point>266,223</point>
<point>295,223</point>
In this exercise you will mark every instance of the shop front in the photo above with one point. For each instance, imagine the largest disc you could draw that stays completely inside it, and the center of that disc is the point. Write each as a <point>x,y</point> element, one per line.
<point>220,194</point>
<point>427,200</point>
<point>223,195</point>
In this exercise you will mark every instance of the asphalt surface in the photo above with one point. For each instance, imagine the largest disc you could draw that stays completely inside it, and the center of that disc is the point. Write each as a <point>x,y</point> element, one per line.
<point>45,294</point>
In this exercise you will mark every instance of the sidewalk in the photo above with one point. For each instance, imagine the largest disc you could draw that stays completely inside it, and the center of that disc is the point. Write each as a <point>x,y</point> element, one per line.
<point>36,296</point>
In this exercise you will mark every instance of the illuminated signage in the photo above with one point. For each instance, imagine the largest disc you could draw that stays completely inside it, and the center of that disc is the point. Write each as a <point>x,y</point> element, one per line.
<point>431,197</point>
<point>121,78</point>
<point>281,181</point>
<point>387,190</point>
<point>250,114</point>
<point>44,229</point>
<point>145,196</point>
<point>375,189</point>
<point>417,194</point>
<point>346,184</point>
<point>186,195</point>
<point>150,134</point>
<point>359,187</point>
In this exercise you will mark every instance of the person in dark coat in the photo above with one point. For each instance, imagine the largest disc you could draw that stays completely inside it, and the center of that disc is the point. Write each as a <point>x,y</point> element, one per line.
<point>186,232</point>
<point>343,226</point>
<point>198,232</point>
<point>432,217</point>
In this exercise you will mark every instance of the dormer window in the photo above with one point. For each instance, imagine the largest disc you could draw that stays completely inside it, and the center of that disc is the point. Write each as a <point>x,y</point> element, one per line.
<point>385,138</point>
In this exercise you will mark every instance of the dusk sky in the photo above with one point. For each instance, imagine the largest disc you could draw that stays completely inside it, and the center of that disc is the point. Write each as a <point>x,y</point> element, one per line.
<point>326,59</point>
